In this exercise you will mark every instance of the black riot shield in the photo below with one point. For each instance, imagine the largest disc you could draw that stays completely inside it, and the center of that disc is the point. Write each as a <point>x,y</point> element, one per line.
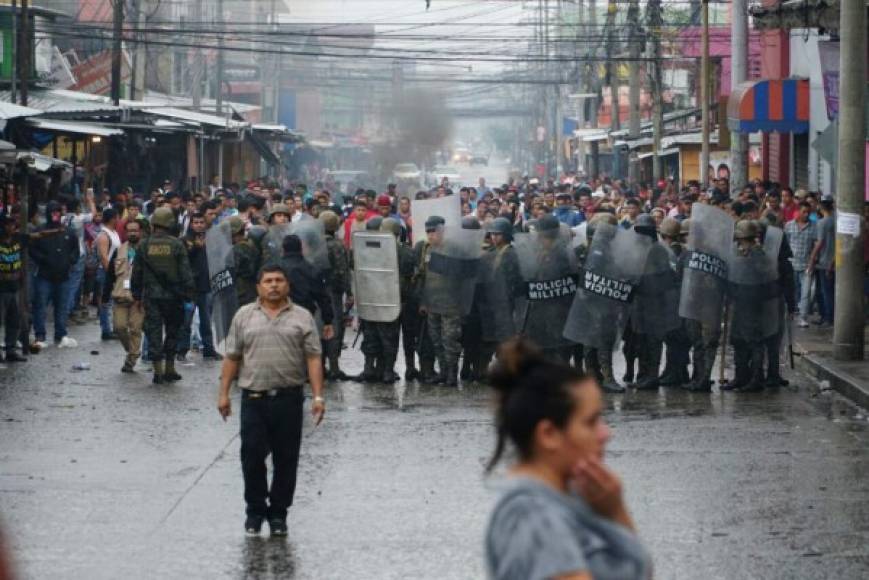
<point>548,267</point>
<point>218,246</point>
<point>754,291</point>
<point>452,270</point>
<point>705,265</point>
<point>613,268</point>
<point>499,270</point>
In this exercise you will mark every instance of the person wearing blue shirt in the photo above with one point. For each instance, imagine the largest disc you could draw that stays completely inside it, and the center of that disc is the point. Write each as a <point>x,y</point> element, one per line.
<point>565,212</point>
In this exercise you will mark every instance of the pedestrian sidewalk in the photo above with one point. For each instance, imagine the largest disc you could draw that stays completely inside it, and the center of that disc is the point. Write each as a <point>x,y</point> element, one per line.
<point>814,349</point>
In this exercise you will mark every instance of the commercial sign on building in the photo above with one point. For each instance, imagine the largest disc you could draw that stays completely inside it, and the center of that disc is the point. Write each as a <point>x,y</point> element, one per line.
<point>828,51</point>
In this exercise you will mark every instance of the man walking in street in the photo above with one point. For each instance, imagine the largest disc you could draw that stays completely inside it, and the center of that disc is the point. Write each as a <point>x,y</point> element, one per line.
<point>11,275</point>
<point>127,314</point>
<point>163,282</point>
<point>272,349</point>
<point>194,241</point>
<point>54,252</point>
<point>108,241</point>
<point>802,236</point>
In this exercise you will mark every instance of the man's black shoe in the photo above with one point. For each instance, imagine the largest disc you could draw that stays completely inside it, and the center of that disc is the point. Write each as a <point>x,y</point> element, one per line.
<point>212,355</point>
<point>109,336</point>
<point>15,357</point>
<point>278,527</point>
<point>253,525</point>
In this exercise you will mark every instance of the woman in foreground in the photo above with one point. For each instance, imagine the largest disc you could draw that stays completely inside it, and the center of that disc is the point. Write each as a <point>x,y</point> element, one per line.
<point>561,515</point>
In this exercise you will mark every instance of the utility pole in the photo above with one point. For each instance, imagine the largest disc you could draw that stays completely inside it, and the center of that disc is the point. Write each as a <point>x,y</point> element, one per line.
<point>219,94</point>
<point>704,97</point>
<point>137,78</point>
<point>198,60</point>
<point>848,339</point>
<point>655,25</point>
<point>24,45</point>
<point>738,74</point>
<point>13,89</point>
<point>613,78</point>
<point>634,85</point>
<point>117,27</point>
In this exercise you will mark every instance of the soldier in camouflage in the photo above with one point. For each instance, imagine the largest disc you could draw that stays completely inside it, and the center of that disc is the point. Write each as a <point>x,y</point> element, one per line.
<point>409,318</point>
<point>338,286</point>
<point>677,341</point>
<point>163,282</point>
<point>426,348</point>
<point>246,259</point>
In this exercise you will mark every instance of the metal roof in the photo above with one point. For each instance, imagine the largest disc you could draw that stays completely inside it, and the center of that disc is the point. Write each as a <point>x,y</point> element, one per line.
<point>33,159</point>
<point>12,111</point>
<point>62,102</point>
<point>74,127</point>
<point>199,118</point>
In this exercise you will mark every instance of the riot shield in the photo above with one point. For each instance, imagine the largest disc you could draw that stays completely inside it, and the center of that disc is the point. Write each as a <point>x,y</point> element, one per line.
<point>613,268</point>
<point>705,265</point>
<point>273,243</point>
<point>499,269</point>
<point>755,292</point>
<point>375,270</point>
<point>312,233</point>
<point>218,246</point>
<point>448,207</point>
<point>548,267</point>
<point>655,311</point>
<point>451,274</point>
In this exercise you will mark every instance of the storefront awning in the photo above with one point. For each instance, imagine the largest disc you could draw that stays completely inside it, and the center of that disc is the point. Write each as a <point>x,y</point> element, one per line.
<point>74,127</point>
<point>780,106</point>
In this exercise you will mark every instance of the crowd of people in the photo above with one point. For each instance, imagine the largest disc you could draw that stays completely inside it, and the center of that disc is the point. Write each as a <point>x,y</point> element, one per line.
<point>143,264</point>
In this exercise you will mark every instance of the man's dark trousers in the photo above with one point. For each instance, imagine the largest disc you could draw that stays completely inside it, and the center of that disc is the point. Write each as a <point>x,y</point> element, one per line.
<point>271,425</point>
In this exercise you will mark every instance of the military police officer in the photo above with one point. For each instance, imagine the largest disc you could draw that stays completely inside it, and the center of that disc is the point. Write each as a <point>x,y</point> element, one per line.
<point>163,282</point>
<point>338,286</point>
<point>246,260</point>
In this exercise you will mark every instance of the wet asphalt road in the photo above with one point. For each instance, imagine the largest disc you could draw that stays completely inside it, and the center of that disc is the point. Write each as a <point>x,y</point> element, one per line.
<point>103,475</point>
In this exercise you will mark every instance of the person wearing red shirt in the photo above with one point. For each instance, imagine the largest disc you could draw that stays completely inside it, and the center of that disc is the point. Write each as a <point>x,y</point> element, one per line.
<point>360,216</point>
<point>789,207</point>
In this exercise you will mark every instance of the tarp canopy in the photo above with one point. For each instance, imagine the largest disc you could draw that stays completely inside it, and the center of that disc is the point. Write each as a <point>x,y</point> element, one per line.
<point>767,106</point>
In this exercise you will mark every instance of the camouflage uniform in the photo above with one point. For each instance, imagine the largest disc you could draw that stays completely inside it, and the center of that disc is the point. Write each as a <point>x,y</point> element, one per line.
<point>246,259</point>
<point>425,345</point>
<point>678,341</point>
<point>337,285</point>
<point>162,279</point>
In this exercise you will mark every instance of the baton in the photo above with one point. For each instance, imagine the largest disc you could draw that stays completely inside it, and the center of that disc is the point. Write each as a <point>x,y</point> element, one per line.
<point>790,327</point>
<point>723,356</point>
<point>525,320</point>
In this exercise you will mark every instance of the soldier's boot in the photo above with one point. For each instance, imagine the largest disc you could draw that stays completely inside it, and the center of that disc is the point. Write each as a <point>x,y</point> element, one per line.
<point>650,362</point>
<point>169,373</point>
<point>467,369</point>
<point>387,367</point>
<point>410,372</point>
<point>702,371</point>
<point>608,382</point>
<point>427,374</point>
<point>742,370</point>
<point>755,381</point>
<point>369,372</point>
<point>335,372</point>
<point>451,372</point>
<point>129,364</point>
<point>158,373</point>
<point>629,369</point>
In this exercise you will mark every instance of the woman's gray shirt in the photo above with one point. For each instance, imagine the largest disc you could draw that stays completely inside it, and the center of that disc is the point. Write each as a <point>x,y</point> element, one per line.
<point>537,533</point>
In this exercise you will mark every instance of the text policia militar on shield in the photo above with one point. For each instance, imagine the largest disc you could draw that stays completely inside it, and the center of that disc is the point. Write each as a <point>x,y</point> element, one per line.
<point>607,287</point>
<point>708,263</point>
<point>221,281</point>
<point>549,289</point>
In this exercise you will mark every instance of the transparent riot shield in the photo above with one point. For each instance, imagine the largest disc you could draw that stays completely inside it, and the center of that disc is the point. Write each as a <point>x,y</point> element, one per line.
<point>705,265</point>
<point>218,247</point>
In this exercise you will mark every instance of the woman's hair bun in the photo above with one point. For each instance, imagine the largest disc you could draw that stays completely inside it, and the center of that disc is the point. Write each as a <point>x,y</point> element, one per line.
<point>515,358</point>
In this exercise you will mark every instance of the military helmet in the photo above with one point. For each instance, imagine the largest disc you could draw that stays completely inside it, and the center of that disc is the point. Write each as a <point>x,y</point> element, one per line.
<point>434,221</point>
<point>685,227</point>
<point>597,219</point>
<point>470,222</point>
<point>280,208</point>
<point>392,226</point>
<point>501,226</point>
<point>163,217</point>
<point>236,225</point>
<point>330,220</point>
<point>670,227</point>
<point>256,234</point>
<point>745,230</point>
<point>374,224</point>
<point>548,223</point>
